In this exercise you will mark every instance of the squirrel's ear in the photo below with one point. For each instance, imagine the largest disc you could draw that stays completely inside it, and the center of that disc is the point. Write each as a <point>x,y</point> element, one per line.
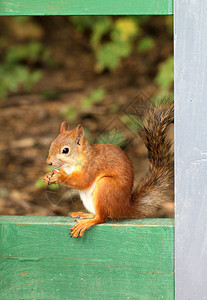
<point>64,127</point>
<point>79,134</point>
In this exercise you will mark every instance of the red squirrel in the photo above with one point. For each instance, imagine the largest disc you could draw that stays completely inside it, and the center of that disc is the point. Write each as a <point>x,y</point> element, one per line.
<point>103,173</point>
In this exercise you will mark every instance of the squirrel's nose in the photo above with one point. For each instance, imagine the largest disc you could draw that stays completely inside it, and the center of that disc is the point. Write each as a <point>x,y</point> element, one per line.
<point>49,162</point>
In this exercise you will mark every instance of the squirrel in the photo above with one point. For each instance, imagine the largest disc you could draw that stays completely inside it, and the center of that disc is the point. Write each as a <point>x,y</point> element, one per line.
<point>103,173</point>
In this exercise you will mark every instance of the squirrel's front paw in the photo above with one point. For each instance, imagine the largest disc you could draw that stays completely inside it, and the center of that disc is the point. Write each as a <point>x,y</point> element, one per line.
<point>51,177</point>
<point>47,177</point>
<point>56,178</point>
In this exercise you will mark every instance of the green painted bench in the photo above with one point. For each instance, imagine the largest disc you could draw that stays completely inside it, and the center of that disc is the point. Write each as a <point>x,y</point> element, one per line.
<point>85,7</point>
<point>116,260</point>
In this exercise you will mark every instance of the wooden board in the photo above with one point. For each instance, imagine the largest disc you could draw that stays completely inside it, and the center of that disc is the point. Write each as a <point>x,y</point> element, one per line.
<point>123,260</point>
<point>191,149</point>
<point>85,7</point>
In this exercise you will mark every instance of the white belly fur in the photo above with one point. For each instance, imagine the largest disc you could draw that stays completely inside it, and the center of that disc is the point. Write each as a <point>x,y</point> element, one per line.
<point>87,198</point>
<point>69,170</point>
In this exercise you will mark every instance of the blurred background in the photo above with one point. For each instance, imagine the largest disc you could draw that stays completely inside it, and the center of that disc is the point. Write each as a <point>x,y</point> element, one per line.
<point>83,69</point>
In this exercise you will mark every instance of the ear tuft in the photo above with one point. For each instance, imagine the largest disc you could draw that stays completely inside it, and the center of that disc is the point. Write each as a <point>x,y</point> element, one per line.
<point>79,134</point>
<point>64,127</point>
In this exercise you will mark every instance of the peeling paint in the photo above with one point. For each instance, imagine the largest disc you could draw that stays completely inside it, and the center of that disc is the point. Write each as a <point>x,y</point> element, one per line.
<point>22,274</point>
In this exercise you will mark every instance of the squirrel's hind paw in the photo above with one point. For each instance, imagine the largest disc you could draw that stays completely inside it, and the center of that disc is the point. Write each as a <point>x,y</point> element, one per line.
<point>78,229</point>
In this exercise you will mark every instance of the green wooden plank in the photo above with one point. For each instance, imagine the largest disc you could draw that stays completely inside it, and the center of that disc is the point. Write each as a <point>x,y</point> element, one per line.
<point>132,259</point>
<point>85,7</point>
<point>69,221</point>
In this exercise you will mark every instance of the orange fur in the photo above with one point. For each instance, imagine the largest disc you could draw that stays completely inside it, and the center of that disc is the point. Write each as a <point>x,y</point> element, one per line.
<point>108,172</point>
<point>82,215</point>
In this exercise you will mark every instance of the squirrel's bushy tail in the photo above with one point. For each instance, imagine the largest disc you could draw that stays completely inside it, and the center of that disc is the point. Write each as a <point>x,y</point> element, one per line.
<point>155,191</point>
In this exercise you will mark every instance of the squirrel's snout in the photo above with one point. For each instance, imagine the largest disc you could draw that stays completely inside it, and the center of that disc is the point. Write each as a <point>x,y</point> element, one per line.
<point>49,162</point>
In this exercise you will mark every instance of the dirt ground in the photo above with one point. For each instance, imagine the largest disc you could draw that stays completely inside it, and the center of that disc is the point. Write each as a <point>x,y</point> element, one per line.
<point>30,121</point>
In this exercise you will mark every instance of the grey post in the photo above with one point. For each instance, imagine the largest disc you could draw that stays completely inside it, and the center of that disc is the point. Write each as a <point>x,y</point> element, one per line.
<point>190,38</point>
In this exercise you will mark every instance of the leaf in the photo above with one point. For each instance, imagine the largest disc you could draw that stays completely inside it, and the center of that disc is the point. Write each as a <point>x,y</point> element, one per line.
<point>94,97</point>
<point>54,187</point>
<point>124,29</point>
<point>145,44</point>
<point>82,23</point>
<point>101,28</point>
<point>132,122</point>
<point>97,95</point>
<point>40,184</point>
<point>16,54</point>
<point>87,103</point>
<point>70,113</point>
<point>165,75</point>
<point>33,52</point>
<point>115,137</point>
<point>109,56</point>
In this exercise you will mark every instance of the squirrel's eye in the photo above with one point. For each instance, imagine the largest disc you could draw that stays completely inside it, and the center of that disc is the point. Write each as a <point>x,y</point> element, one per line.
<point>65,150</point>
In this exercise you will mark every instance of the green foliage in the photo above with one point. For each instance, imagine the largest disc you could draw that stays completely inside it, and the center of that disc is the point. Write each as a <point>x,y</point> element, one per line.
<point>111,38</point>
<point>165,75</point>
<point>114,108</point>
<point>14,77</point>
<point>162,99</point>
<point>101,28</point>
<point>110,54</point>
<point>169,24</point>
<point>124,29</point>
<point>114,136</point>
<point>145,44</point>
<point>31,53</point>
<point>16,69</point>
<point>22,19</point>
<point>94,97</point>
<point>3,43</point>
<point>70,113</point>
<point>39,184</point>
<point>141,20</point>
<point>132,122</point>
<point>85,22</point>
<point>87,134</point>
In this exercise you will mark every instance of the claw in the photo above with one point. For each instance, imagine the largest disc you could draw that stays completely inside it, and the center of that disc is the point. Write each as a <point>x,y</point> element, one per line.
<point>80,227</point>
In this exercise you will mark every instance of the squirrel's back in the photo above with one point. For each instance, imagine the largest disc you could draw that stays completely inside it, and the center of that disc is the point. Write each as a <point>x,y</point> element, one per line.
<point>113,162</point>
